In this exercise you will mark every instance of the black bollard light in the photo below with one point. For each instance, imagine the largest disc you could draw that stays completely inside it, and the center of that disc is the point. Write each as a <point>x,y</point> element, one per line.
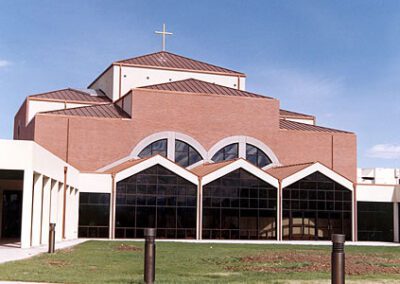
<point>337,261</point>
<point>52,237</point>
<point>149,255</point>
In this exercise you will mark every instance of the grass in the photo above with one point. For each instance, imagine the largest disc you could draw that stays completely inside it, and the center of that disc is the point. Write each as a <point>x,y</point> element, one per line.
<point>122,262</point>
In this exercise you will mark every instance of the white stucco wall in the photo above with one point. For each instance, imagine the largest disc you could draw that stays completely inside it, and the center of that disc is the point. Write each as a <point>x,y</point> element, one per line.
<point>106,82</point>
<point>40,167</point>
<point>95,183</point>
<point>132,77</point>
<point>378,175</point>
<point>378,193</point>
<point>36,106</point>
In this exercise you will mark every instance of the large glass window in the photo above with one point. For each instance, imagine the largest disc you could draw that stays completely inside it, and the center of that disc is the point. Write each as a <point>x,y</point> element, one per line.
<point>257,157</point>
<point>316,207</point>
<point>156,198</point>
<point>239,206</point>
<point>185,155</point>
<point>94,215</point>
<point>227,153</point>
<point>157,147</point>
<point>375,221</point>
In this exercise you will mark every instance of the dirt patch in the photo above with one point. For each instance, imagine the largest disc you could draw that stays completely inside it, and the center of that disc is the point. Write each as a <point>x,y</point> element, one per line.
<point>314,261</point>
<point>57,263</point>
<point>67,250</point>
<point>124,247</point>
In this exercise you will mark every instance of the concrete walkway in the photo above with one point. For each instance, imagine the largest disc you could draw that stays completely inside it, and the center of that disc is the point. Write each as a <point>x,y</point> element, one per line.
<point>12,251</point>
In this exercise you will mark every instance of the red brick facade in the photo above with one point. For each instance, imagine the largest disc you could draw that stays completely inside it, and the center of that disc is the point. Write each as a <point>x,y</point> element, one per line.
<point>89,143</point>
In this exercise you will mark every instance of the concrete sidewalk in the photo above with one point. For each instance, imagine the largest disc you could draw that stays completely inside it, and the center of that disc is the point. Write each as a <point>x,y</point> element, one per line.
<point>11,252</point>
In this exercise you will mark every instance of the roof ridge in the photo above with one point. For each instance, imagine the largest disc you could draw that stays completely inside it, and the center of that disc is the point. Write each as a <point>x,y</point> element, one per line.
<point>137,57</point>
<point>221,69</point>
<point>49,92</point>
<point>202,82</point>
<point>181,56</point>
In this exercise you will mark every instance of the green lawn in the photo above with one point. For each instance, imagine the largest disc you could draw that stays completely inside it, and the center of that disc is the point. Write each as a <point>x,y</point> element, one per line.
<point>122,262</point>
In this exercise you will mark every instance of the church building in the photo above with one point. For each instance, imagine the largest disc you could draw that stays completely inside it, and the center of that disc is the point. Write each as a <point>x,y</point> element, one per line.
<point>177,144</point>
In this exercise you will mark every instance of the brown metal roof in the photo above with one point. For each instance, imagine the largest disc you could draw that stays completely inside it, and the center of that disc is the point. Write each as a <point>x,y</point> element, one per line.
<point>285,171</point>
<point>72,95</point>
<point>124,166</point>
<point>206,168</point>
<point>101,111</point>
<point>164,59</point>
<point>202,87</point>
<point>287,113</point>
<point>291,125</point>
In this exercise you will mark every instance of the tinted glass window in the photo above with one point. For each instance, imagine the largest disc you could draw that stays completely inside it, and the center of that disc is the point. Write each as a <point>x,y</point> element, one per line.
<point>157,147</point>
<point>239,206</point>
<point>227,153</point>
<point>156,198</point>
<point>316,207</point>
<point>94,215</point>
<point>257,157</point>
<point>375,221</point>
<point>185,155</point>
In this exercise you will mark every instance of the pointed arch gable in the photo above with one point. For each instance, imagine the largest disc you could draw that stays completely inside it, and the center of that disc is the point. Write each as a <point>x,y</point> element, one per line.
<point>156,160</point>
<point>317,167</point>
<point>239,164</point>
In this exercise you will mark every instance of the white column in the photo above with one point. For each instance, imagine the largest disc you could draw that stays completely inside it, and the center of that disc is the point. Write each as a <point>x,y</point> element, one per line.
<point>70,213</point>
<point>37,209</point>
<point>27,209</point>
<point>199,212</point>
<point>46,210</point>
<point>279,211</point>
<point>53,202</point>
<point>76,214</point>
<point>171,146</point>
<point>67,212</point>
<point>396,222</point>
<point>60,211</point>
<point>242,148</point>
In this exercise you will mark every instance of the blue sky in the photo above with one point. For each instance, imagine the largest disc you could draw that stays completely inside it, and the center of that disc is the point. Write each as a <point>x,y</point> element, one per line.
<point>338,60</point>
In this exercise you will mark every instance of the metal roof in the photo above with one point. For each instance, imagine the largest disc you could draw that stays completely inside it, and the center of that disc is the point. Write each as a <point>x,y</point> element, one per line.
<point>202,87</point>
<point>101,111</point>
<point>73,95</point>
<point>282,172</point>
<point>287,113</point>
<point>206,168</point>
<point>291,125</point>
<point>164,59</point>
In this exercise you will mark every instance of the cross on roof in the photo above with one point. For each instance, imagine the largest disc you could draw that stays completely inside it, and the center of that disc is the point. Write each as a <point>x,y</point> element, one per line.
<point>163,33</point>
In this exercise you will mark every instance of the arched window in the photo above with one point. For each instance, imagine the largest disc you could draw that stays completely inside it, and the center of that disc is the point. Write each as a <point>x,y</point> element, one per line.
<point>227,153</point>
<point>157,147</point>
<point>185,155</point>
<point>257,157</point>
